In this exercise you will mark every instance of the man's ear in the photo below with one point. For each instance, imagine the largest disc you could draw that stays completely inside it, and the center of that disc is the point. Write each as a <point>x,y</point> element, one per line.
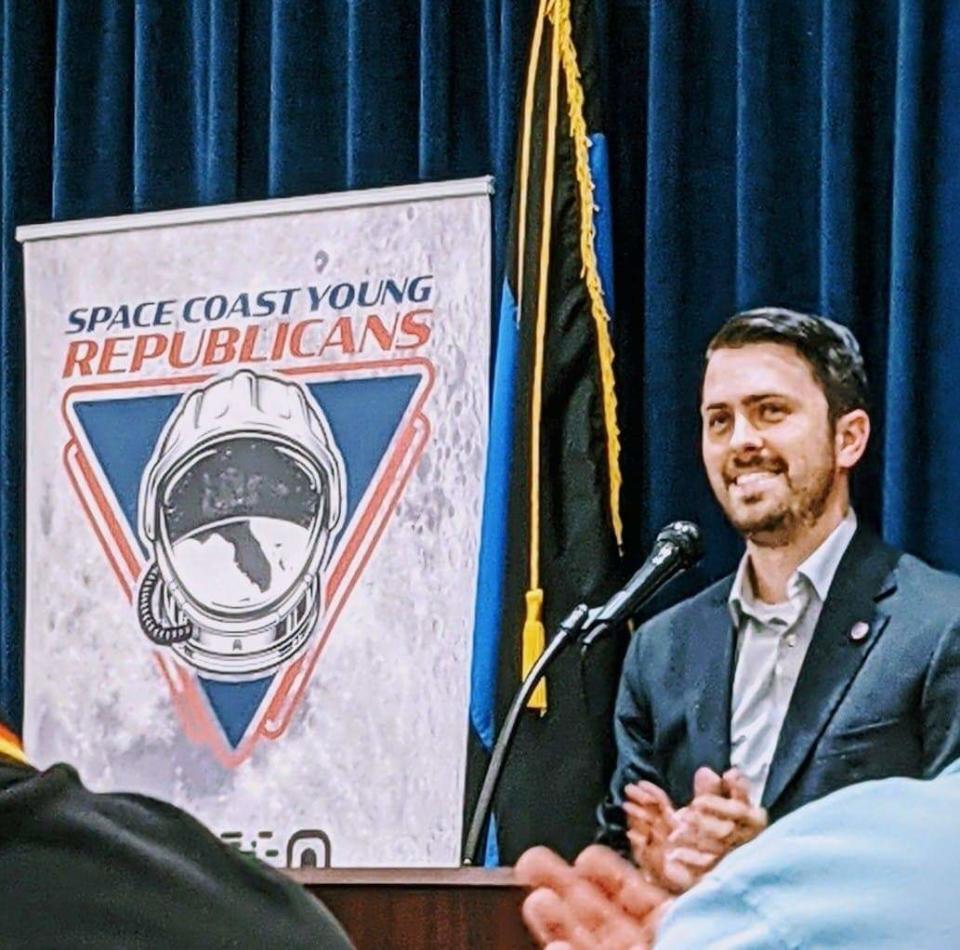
<point>851,436</point>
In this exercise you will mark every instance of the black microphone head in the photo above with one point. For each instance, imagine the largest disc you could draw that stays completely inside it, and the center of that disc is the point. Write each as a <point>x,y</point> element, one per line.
<point>688,539</point>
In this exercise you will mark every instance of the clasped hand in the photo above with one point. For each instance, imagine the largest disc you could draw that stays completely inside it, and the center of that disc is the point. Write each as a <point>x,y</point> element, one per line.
<point>675,847</point>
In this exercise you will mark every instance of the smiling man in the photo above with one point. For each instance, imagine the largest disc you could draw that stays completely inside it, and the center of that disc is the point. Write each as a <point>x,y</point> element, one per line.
<point>827,659</point>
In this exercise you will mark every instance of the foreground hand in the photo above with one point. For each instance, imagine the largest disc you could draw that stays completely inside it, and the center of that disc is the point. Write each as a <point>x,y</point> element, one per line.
<point>601,902</point>
<point>719,819</point>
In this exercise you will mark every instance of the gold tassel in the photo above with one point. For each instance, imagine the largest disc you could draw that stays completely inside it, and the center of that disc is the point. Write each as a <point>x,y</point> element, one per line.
<point>534,643</point>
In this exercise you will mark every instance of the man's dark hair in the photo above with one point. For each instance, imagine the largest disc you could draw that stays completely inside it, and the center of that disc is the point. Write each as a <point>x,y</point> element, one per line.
<point>830,349</point>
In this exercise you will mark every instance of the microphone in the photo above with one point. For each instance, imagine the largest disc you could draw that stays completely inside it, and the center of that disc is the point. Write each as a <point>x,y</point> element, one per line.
<point>678,546</point>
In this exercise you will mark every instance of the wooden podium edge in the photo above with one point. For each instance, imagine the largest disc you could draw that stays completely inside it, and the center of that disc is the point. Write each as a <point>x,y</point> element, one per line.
<point>404,877</point>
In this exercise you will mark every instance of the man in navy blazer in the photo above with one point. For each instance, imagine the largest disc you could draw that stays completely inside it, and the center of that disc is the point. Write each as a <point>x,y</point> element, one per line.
<point>827,659</point>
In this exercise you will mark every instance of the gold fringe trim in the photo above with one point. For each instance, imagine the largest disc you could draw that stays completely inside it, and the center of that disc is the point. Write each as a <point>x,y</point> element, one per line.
<point>560,17</point>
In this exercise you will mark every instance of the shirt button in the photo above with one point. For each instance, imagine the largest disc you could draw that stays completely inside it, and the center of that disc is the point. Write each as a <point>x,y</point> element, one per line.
<point>791,639</point>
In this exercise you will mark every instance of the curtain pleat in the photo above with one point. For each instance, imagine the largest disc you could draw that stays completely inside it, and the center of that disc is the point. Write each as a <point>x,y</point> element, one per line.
<point>777,151</point>
<point>215,29</point>
<point>306,147</point>
<point>92,161</point>
<point>26,174</point>
<point>922,460</point>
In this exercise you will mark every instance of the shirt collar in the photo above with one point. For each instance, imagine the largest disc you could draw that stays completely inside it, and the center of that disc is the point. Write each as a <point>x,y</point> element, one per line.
<point>821,567</point>
<point>818,569</point>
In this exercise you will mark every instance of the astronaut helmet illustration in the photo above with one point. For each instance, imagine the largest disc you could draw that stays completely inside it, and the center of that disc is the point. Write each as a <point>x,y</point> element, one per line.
<point>240,503</point>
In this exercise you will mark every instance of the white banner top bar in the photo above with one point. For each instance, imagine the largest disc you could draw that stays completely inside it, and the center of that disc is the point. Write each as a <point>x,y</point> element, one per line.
<point>257,209</point>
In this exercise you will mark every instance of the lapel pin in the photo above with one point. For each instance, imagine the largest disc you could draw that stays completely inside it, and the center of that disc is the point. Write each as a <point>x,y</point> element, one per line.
<point>859,630</point>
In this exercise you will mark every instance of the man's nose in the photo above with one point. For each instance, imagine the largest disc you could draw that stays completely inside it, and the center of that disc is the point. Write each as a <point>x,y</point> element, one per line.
<point>744,435</point>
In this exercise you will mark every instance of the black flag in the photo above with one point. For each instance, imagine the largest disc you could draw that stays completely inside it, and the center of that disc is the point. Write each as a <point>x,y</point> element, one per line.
<point>552,530</point>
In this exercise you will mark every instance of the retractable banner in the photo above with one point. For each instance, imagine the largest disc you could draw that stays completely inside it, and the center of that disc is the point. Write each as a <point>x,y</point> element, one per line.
<point>256,438</point>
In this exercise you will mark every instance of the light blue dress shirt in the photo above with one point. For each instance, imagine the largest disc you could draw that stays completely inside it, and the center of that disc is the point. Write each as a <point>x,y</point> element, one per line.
<point>875,865</point>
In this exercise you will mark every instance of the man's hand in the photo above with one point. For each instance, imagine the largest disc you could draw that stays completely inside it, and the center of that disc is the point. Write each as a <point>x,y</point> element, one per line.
<point>719,819</point>
<point>600,903</point>
<point>651,819</point>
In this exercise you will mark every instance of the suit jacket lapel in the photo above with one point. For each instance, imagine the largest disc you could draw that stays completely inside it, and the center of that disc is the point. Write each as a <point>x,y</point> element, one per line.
<point>833,658</point>
<point>710,677</point>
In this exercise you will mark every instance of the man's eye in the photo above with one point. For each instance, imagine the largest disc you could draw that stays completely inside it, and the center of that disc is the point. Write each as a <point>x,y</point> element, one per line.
<point>772,412</point>
<point>718,422</point>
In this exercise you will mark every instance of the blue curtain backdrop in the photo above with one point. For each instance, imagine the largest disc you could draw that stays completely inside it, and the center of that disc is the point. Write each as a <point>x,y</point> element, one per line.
<point>762,152</point>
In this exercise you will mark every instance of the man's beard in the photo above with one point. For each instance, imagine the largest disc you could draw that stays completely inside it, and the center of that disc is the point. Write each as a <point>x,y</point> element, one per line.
<point>800,510</point>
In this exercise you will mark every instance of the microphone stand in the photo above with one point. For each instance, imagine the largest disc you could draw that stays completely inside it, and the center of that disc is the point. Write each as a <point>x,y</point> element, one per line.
<point>582,619</point>
<point>678,547</point>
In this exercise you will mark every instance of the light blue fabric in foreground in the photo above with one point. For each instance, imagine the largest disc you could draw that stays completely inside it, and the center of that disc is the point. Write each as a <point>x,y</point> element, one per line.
<point>873,865</point>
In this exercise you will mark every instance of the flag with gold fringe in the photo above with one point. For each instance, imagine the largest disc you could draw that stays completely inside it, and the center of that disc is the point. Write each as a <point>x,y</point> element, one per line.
<point>552,529</point>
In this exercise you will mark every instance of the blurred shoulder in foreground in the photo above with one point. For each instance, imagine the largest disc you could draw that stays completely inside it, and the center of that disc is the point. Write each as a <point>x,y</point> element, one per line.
<point>79,868</point>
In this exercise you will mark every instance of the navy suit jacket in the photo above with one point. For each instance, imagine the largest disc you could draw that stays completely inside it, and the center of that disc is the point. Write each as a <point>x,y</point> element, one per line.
<point>882,705</point>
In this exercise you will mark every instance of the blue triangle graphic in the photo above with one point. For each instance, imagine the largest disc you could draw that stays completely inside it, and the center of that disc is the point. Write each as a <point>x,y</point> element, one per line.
<point>122,433</point>
<point>235,704</point>
<point>363,414</point>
